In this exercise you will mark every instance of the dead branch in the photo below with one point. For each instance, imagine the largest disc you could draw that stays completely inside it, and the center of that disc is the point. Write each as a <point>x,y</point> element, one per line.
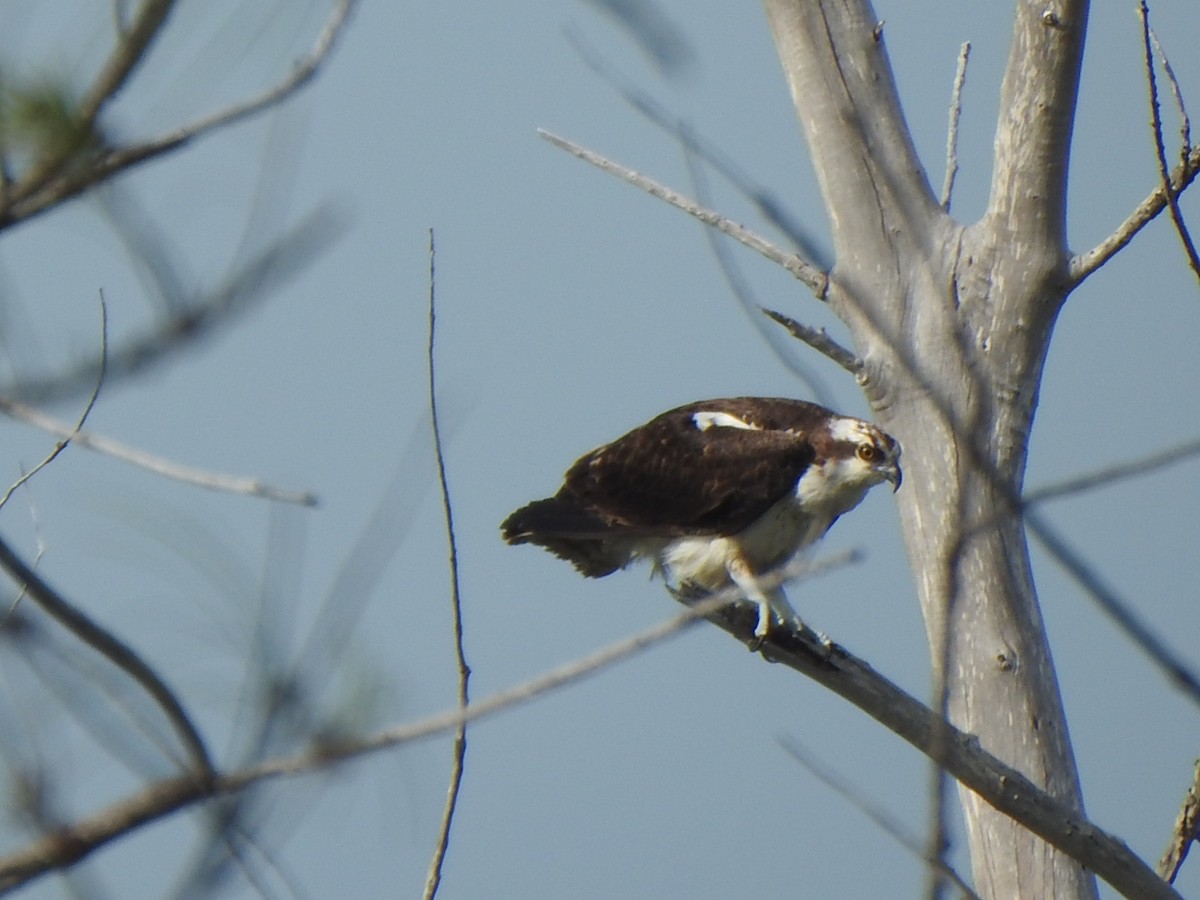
<point>1181,228</point>
<point>818,340</point>
<point>960,77</point>
<point>814,278</point>
<point>216,481</point>
<point>458,763</point>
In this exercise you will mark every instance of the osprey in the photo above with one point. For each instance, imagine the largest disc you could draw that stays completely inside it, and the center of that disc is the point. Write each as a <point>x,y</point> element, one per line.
<point>717,494</point>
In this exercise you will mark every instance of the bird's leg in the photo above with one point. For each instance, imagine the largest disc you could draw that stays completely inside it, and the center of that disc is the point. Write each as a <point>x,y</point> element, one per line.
<point>769,602</point>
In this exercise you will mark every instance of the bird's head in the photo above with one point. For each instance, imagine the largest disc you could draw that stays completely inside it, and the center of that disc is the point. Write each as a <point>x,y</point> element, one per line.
<point>852,457</point>
<point>867,455</point>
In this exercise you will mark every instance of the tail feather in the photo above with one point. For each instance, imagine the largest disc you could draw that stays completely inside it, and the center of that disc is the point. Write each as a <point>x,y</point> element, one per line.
<point>568,532</point>
<point>552,517</point>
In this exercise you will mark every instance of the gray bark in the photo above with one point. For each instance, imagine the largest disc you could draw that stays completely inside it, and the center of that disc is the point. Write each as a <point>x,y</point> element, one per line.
<point>953,323</point>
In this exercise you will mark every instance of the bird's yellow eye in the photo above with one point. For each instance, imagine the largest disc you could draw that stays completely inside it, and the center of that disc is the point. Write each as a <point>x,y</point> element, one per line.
<point>868,452</point>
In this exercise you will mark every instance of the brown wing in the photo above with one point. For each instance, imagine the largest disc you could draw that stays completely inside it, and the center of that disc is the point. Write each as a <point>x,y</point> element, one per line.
<point>670,477</point>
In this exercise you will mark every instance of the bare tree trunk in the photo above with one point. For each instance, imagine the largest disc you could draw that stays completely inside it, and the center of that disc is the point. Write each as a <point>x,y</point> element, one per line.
<point>953,324</point>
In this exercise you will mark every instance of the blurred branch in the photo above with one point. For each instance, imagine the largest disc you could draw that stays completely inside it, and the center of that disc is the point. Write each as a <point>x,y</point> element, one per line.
<point>814,278</point>
<point>1122,613</point>
<point>879,818</point>
<point>741,290</point>
<point>132,47</point>
<point>1181,229</point>
<point>651,30</point>
<point>114,650</point>
<point>464,671</point>
<point>765,201</point>
<point>37,192</point>
<point>252,281</point>
<point>1111,474</point>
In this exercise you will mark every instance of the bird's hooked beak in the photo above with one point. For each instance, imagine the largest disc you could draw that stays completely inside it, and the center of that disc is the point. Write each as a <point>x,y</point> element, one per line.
<point>889,466</point>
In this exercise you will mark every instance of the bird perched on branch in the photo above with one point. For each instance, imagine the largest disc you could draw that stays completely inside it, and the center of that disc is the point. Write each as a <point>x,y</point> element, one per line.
<point>717,494</point>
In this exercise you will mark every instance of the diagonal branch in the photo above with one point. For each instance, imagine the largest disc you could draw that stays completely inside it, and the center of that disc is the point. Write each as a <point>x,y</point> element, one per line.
<point>250,282</point>
<point>818,340</point>
<point>130,51</point>
<point>829,665</point>
<point>1084,264</point>
<point>114,650</point>
<point>879,818</point>
<point>216,481</point>
<point>814,278</point>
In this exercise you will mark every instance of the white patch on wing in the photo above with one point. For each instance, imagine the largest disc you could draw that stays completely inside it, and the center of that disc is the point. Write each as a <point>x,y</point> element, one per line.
<point>707,420</point>
<point>843,428</point>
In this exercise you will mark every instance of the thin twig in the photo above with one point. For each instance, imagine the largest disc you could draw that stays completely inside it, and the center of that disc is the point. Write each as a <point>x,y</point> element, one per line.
<point>113,649</point>
<point>216,481</point>
<point>1164,169</point>
<point>960,77</point>
<point>818,340</point>
<point>1185,122</point>
<point>434,878</point>
<point>814,278</point>
<point>886,823</point>
<point>73,432</point>
<point>1187,827</point>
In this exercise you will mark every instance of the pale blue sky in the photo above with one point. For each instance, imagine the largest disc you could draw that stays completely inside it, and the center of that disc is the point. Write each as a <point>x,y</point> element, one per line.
<point>571,308</point>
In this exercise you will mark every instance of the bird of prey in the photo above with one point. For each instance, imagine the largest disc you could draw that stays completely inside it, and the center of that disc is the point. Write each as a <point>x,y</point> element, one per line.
<point>717,494</point>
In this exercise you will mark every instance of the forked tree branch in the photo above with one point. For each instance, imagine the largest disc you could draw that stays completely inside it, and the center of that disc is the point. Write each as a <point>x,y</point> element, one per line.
<point>1164,168</point>
<point>1084,264</point>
